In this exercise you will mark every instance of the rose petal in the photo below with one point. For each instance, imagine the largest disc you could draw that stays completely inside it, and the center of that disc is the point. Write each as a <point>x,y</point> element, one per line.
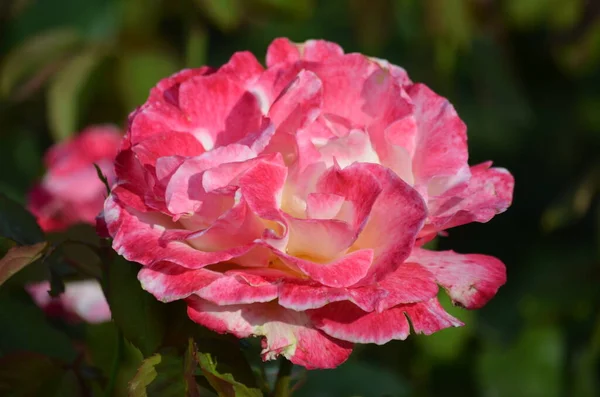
<point>440,153</point>
<point>410,283</point>
<point>394,221</point>
<point>488,193</point>
<point>137,237</point>
<point>285,332</point>
<point>471,280</point>
<point>345,321</point>
<point>169,282</point>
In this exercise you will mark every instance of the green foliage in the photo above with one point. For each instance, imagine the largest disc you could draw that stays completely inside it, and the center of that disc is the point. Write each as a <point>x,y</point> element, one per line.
<point>63,94</point>
<point>38,54</point>
<point>17,224</point>
<point>138,314</point>
<point>223,383</point>
<point>139,71</point>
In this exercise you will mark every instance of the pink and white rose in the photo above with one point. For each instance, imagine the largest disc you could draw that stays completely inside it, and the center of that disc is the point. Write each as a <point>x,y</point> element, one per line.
<point>71,191</point>
<point>291,202</point>
<point>81,301</point>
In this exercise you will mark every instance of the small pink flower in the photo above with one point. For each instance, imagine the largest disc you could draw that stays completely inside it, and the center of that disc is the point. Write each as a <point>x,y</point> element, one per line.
<point>81,301</point>
<point>291,202</point>
<point>71,191</point>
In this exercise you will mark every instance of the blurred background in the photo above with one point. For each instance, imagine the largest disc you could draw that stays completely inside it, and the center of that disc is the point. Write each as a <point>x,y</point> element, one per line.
<point>523,74</point>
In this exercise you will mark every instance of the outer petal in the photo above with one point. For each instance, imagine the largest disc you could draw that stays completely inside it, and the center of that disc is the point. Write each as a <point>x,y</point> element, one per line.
<point>440,151</point>
<point>167,89</point>
<point>167,144</point>
<point>345,321</point>
<point>283,50</point>
<point>230,114</point>
<point>243,67</point>
<point>396,71</point>
<point>488,193</point>
<point>285,332</point>
<point>169,282</point>
<point>471,280</point>
<point>410,283</point>
<point>137,237</point>
<point>302,295</point>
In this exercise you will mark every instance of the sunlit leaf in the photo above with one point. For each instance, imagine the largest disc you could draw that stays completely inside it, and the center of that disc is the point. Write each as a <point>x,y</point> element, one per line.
<point>296,9</point>
<point>226,14</point>
<point>224,384</point>
<point>196,46</point>
<point>17,258</point>
<point>144,376</point>
<point>139,71</point>
<point>527,13</point>
<point>35,56</point>
<point>63,95</point>
<point>164,375</point>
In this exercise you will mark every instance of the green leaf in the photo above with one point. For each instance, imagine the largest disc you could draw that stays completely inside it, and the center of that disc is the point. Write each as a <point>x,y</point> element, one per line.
<point>165,375</point>
<point>34,55</point>
<point>63,95</point>
<point>527,13</point>
<point>138,314</point>
<point>225,14</point>
<point>144,376</point>
<point>139,71</point>
<point>224,384</point>
<point>17,258</point>
<point>17,224</point>
<point>196,46</point>
<point>298,9</point>
<point>107,350</point>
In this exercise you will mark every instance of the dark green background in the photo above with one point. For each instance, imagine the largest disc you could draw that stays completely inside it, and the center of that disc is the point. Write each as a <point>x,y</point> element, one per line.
<point>523,74</point>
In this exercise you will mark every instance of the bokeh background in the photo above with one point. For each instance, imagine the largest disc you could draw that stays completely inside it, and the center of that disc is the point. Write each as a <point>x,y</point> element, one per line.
<point>523,74</point>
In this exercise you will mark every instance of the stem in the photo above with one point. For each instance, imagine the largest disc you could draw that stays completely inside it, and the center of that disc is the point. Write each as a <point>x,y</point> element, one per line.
<point>108,392</point>
<point>282,384</point>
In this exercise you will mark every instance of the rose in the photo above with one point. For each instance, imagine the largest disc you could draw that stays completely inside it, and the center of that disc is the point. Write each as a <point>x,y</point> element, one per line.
<point>71,191</point>
<point>291,202</point>
<point>81,301</point>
